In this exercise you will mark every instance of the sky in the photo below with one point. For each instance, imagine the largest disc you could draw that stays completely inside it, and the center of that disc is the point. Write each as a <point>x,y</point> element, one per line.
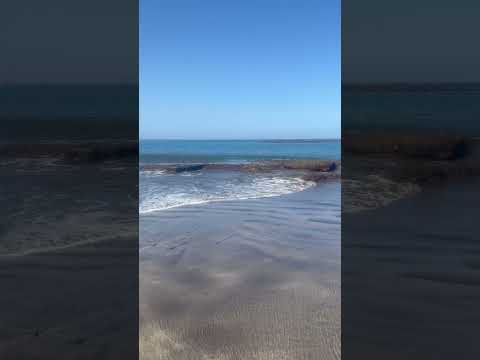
<point>250,69</point>
<point>410,41</point>
<point>69,42</point>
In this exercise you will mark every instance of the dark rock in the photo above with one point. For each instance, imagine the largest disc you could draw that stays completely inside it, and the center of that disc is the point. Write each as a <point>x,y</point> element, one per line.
<point>332,167</point>
<point>181,169</point>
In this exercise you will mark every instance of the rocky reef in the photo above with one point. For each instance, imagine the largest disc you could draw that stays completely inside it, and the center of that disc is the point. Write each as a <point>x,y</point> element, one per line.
<point>309,169</point>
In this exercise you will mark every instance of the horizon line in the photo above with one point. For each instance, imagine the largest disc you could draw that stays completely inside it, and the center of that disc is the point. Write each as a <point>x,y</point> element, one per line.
<point>244,139</point>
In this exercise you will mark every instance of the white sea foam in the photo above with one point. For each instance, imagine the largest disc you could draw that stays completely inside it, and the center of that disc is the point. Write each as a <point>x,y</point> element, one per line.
<point>157,198</point>
<point>153,173</point>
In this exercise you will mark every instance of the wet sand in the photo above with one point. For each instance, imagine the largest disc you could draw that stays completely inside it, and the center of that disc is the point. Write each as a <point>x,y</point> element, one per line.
<point>410,276</point>
<point>250,279</point>
<point>68,260</point>
<point>70,303</point>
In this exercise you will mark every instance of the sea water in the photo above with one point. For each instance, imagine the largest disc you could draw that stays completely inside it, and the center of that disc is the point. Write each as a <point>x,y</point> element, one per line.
<point>160,190</point>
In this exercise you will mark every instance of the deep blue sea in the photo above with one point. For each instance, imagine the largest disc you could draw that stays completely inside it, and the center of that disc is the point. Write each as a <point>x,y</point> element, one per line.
<point>161,190</point>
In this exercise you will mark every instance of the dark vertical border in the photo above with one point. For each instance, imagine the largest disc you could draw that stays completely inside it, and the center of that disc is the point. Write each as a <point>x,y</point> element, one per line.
<point>410,177</point>
<point>69,180</point>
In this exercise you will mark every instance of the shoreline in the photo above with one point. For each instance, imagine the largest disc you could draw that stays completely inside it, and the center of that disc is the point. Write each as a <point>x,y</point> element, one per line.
<point>314,184</point>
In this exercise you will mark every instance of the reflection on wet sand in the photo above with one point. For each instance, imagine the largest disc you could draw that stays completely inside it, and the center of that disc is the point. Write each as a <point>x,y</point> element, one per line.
<point>255,279</point>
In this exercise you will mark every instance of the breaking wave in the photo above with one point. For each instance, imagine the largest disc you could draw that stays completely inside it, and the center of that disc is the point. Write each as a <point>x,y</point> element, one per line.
<point>161,191</point>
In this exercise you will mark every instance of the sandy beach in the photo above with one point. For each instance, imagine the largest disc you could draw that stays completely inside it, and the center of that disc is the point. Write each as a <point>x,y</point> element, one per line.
<point>248,279</point>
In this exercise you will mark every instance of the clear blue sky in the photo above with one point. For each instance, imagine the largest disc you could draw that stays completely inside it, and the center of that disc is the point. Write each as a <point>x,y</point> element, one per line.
<point>239,69</point>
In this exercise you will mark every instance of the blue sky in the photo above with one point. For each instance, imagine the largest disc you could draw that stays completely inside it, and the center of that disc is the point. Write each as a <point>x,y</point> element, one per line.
<point>240,69</point>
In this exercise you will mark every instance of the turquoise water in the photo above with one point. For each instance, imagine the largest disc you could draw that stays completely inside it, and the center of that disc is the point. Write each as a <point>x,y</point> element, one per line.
<point>207,151</point>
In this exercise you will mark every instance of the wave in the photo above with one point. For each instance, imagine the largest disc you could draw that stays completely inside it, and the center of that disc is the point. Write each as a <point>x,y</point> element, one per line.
<point>153,173</point>
<point>158,199</point>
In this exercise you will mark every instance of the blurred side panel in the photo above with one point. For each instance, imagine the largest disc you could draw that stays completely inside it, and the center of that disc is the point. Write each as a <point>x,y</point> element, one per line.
<point>69,179</point>
<point>410,179</point>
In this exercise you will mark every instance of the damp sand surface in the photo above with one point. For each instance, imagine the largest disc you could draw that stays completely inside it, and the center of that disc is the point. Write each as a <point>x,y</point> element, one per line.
<point>244,279</point>
<point>410,276</point>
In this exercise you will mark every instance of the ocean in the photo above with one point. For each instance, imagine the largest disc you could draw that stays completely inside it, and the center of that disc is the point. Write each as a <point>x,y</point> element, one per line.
<point>68,112</point>
<point>160,190</point>
<point>419,107</point>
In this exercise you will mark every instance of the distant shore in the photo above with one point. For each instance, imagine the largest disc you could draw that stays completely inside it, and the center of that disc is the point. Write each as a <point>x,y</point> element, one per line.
<point>280,141</point>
